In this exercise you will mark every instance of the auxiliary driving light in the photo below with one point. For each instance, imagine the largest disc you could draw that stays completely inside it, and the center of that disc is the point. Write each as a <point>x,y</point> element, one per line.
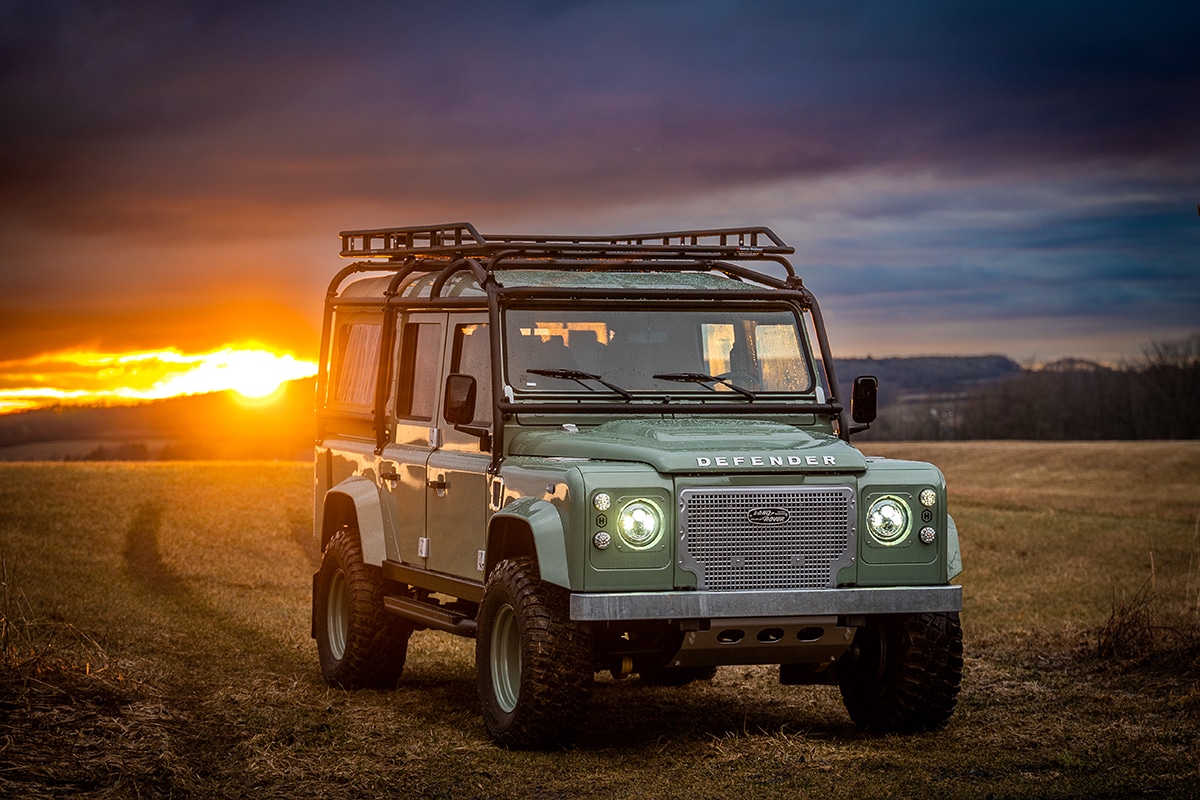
<point>889,520</point>
<point>640,524</point>
<point>928,498</point>
<point>601,501</point>
<point>601,540</point>
<point>927,535</point>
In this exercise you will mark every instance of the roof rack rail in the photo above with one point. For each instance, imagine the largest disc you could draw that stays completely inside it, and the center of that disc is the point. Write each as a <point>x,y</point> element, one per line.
<point>461,239</point>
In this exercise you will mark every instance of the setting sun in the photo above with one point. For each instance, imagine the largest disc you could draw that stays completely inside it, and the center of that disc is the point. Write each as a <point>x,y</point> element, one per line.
<point>252,370</point>
<point>251,373</point>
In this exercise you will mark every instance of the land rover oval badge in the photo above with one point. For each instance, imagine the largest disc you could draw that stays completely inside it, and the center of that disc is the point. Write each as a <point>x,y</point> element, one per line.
<point>768,516</point>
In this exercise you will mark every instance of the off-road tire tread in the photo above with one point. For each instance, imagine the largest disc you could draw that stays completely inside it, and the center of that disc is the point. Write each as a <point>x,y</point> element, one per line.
<point>376,642</point>
<point>557,670</point>
<point>919,688</point>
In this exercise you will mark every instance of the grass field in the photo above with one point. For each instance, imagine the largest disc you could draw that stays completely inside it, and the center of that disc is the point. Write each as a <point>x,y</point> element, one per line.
<point>155,644</point>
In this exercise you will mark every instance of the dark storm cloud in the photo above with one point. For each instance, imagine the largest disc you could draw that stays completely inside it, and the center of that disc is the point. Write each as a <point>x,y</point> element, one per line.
<point>668,97</point>
<point>1049,151</point>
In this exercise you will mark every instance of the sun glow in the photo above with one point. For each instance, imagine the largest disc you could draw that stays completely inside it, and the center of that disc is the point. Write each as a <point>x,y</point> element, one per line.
<point>251,370</point>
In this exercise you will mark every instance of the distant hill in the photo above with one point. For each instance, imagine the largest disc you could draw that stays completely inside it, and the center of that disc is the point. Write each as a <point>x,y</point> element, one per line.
<point>900,379</point>
<point>210,426</point>
<point>921,397</point>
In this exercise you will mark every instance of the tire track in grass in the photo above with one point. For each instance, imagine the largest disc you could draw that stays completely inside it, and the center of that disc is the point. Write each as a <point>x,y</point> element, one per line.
<point>142,554</point>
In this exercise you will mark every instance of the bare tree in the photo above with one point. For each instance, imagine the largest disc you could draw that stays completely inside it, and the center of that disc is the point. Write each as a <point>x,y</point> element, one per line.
<point>1169,373</point>
<point>1157,396</point>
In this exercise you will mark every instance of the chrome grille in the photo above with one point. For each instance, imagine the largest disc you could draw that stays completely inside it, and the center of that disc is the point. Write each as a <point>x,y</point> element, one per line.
<point>782,537</point>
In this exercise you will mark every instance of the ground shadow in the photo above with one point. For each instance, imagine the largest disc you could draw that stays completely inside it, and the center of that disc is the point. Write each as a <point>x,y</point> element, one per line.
<point>300,524</point>
<point>633,715</point>
<point>142,554</point>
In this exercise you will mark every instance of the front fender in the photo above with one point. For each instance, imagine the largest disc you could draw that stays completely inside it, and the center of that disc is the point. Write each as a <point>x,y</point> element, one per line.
<point>953,555</point>
<point>361,495</point>
<point>545,527</point>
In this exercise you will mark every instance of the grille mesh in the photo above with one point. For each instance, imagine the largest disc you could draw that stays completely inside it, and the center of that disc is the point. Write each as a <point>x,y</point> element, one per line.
<point>730,552</point>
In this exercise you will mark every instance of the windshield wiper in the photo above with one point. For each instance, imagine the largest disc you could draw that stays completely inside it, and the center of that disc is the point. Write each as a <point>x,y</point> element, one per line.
<point>704,380</point>
<point>579,376</point>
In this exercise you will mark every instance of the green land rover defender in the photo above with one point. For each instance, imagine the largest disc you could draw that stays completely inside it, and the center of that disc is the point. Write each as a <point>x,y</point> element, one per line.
<point>615,453</point>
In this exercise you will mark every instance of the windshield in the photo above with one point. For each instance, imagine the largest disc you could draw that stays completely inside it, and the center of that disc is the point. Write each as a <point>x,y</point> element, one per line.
<point>758,349</point>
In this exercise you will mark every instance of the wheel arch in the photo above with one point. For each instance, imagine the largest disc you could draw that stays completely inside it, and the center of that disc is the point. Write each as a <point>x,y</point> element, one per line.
<point>529,527</point>
<point>354,503</point>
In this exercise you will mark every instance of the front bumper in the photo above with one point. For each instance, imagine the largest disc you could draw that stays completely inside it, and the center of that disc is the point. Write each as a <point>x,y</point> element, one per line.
<point>798,603</point>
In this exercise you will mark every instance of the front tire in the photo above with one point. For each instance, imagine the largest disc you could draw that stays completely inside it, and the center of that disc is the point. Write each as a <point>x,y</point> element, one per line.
<point>534,664</point>
<point>360,645</point>
<point>902,673</point>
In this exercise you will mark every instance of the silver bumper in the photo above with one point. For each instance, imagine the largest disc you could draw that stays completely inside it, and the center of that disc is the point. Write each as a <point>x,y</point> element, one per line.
<point>798,603</point>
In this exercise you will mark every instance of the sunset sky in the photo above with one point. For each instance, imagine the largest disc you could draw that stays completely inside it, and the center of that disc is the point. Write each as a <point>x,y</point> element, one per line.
<point>957,178</point>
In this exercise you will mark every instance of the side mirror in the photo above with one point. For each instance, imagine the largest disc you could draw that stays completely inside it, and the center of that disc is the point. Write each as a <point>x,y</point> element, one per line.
<point>864,399</point>
<point>459,406</point>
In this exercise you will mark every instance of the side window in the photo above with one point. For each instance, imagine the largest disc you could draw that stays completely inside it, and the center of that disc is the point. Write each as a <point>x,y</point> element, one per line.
<point>421,345</point>
<point>356,364</point>
<point>473,356</point>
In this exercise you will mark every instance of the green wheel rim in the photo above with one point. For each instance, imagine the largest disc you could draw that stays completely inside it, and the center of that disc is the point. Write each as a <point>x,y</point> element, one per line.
<point>337,614</point>
<point>506,659</point>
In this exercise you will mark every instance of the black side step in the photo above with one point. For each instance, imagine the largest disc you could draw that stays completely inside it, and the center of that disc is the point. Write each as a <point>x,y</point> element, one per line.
<point>432,616</point>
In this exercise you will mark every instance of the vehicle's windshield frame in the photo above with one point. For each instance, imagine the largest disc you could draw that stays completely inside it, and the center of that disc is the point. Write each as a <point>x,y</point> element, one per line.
<point>638,385</point>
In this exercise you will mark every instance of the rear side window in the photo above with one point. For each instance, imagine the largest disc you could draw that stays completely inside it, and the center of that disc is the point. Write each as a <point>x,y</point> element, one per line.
<point>420,349</point>
<point>356,364</point>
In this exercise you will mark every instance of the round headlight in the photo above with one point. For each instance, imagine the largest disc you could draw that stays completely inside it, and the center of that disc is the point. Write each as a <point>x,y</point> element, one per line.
<point>889,520</point>
<point>640,524</point>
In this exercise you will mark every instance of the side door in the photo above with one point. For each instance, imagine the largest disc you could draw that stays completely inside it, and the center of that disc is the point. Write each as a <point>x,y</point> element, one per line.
<point>421,345</point>
<point>456,497</point>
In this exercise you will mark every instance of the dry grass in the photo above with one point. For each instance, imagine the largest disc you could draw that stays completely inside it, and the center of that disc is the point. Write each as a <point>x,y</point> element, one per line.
<point>1134,480</point>
<point>155,644</point>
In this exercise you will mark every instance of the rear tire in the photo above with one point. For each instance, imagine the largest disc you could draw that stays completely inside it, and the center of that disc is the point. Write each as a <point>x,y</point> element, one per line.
<point>534,664</point>
<point>360,645</point>
<point>902,673</point>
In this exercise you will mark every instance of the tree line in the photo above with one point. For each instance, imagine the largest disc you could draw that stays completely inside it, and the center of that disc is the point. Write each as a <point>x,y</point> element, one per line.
<point>1154,396</point>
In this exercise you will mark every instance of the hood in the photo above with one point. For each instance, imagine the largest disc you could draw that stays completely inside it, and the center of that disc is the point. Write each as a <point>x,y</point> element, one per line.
<point>697,446</point>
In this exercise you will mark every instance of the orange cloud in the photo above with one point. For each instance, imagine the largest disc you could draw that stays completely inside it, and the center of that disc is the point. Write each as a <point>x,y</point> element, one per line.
<point>82,377</point>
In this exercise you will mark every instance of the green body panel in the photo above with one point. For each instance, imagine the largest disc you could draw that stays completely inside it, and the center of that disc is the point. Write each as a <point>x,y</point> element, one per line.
<point>456,516</point>
<point>619,567</point>
<point>705,445</point>
<point>463,285</point>
<point>908,562</point>
<point>564,521</point>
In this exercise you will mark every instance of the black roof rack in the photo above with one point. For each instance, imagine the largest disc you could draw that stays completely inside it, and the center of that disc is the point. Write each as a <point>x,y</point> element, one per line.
<point>461,239</point>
